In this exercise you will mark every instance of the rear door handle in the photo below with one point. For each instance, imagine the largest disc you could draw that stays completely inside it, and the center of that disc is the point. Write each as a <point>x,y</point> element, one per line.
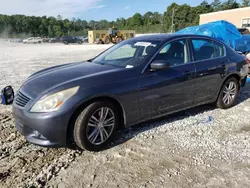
<point>187,72</point>
<point>223,64</point>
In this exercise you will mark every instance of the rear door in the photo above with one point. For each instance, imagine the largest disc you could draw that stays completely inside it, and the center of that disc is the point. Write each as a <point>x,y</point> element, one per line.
<point>210,62</point>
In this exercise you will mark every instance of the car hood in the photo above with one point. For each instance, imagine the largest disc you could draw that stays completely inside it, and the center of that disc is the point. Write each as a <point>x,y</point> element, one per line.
<point>58,75</point>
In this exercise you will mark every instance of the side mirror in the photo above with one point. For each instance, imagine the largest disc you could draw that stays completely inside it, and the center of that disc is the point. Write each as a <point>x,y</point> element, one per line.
<point>159,65</point>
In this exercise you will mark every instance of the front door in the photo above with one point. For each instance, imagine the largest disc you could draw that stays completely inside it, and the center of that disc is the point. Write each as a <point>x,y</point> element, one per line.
<point>164,91</point>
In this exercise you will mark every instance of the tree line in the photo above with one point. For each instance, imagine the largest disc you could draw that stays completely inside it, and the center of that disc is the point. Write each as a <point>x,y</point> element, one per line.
<point>175,17</point>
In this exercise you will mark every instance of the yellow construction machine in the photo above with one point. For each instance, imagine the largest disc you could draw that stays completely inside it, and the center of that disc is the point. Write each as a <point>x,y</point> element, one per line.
<point>113,36</point>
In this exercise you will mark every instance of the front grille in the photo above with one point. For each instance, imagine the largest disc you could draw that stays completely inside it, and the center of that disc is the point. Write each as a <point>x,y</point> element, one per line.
<point>21,100</point>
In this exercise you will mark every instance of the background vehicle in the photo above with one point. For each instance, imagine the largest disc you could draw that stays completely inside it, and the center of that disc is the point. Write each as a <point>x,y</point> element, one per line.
<point>54,40</point>
<point>113,36</point>
<point>46,40</point>
<point>70,39</point>
<point>85,39</point>
<point>134,81</point>
<point>33,40</point>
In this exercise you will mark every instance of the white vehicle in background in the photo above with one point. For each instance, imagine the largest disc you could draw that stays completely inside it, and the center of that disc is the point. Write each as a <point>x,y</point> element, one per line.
<point>33,40</point>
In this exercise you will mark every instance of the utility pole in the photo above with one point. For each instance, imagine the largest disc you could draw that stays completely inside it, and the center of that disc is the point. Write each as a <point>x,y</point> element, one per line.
<point>173,15</point>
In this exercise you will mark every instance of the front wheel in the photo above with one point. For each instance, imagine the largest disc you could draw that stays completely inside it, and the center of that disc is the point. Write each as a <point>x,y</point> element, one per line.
<point>228,94</point>
<point>107,40</point>
<point>118,40</point>
<point>95,126</point>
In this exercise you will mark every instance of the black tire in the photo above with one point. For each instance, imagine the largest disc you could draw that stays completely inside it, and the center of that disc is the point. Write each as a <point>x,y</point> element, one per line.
<point>118,40</point>
<point>107,40</point>
<point>81,127</point>
<point>65,42</point>
<point>39,42</point>
<point>220,102</point>
<point>79,42</point>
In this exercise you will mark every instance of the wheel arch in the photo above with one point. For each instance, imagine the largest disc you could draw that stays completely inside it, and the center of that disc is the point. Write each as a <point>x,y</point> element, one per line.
<point>84,104</point>
<point>235,75</point>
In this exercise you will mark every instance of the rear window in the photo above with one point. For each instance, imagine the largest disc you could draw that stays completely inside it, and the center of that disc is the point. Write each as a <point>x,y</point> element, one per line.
<point>207,49</point>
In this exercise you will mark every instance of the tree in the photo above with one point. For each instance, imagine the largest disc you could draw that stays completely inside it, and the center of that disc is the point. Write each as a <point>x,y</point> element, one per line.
<point>245,3</point>
<point>59,17</point>
<point>185,15</point>
<point>156,18</point>
<point>230,4</point>
<point>120,23</point>
<point>147,18</point>
<point>103,24</point>
<point>216,5</point>
<point>136,20</point>
<point>92,24</point>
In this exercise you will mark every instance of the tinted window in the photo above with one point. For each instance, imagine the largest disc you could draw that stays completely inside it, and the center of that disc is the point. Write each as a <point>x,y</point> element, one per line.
<point>207,49</point>
<point>176,53</point>
<point>219,50</point>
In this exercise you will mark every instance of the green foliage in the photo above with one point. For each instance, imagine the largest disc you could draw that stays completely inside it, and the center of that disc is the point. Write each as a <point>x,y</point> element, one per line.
<point>245,3</point>
<point>230,4</point>
<point>174,18</point>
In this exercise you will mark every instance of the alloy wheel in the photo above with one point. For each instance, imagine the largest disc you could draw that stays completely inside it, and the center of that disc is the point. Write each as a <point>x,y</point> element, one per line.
<point>229,93</point>
<point>100,125</point>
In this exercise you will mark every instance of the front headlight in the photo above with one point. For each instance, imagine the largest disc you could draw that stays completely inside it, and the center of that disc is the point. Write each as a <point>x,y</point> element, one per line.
<point>53,102</point>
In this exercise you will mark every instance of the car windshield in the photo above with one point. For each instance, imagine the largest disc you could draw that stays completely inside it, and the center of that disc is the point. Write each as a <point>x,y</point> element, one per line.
<point>127,54</point>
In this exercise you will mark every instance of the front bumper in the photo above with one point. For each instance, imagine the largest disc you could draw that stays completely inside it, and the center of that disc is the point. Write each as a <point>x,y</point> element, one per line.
<point>43,129</point>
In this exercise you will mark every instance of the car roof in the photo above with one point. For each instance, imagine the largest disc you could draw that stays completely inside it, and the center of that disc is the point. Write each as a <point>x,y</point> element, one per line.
<point>165,37</point>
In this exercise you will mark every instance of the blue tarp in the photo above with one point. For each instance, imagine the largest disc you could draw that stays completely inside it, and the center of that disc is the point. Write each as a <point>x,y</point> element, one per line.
<point>223,31</point>
<point>245,39</point>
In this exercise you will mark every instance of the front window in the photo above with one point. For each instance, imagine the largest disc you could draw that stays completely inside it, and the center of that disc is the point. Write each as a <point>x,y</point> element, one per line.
<point>175,53</point>
<point>127,54</point>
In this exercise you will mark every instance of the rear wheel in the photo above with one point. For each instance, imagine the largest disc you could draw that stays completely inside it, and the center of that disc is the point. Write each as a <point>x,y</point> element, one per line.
<point>95,126</point>
<point>79,42</point>
<point>228,94</point>
<point>65,42</point>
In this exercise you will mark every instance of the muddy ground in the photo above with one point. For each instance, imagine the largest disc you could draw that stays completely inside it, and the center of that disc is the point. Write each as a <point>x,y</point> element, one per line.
<point>181,150</point>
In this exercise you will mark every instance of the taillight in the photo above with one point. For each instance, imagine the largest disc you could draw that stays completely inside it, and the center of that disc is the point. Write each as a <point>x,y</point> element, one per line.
<point>247,60</point>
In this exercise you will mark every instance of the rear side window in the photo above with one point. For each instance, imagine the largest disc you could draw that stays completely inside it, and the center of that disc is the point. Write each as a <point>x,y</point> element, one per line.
<point>207,49</point>
<point>219,50</point>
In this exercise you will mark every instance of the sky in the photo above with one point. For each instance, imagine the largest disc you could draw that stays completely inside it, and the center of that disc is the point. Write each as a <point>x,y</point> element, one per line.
<point>87,9</point>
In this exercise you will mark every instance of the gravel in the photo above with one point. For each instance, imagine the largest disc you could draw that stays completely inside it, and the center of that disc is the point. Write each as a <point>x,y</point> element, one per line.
<point>180,150</point>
